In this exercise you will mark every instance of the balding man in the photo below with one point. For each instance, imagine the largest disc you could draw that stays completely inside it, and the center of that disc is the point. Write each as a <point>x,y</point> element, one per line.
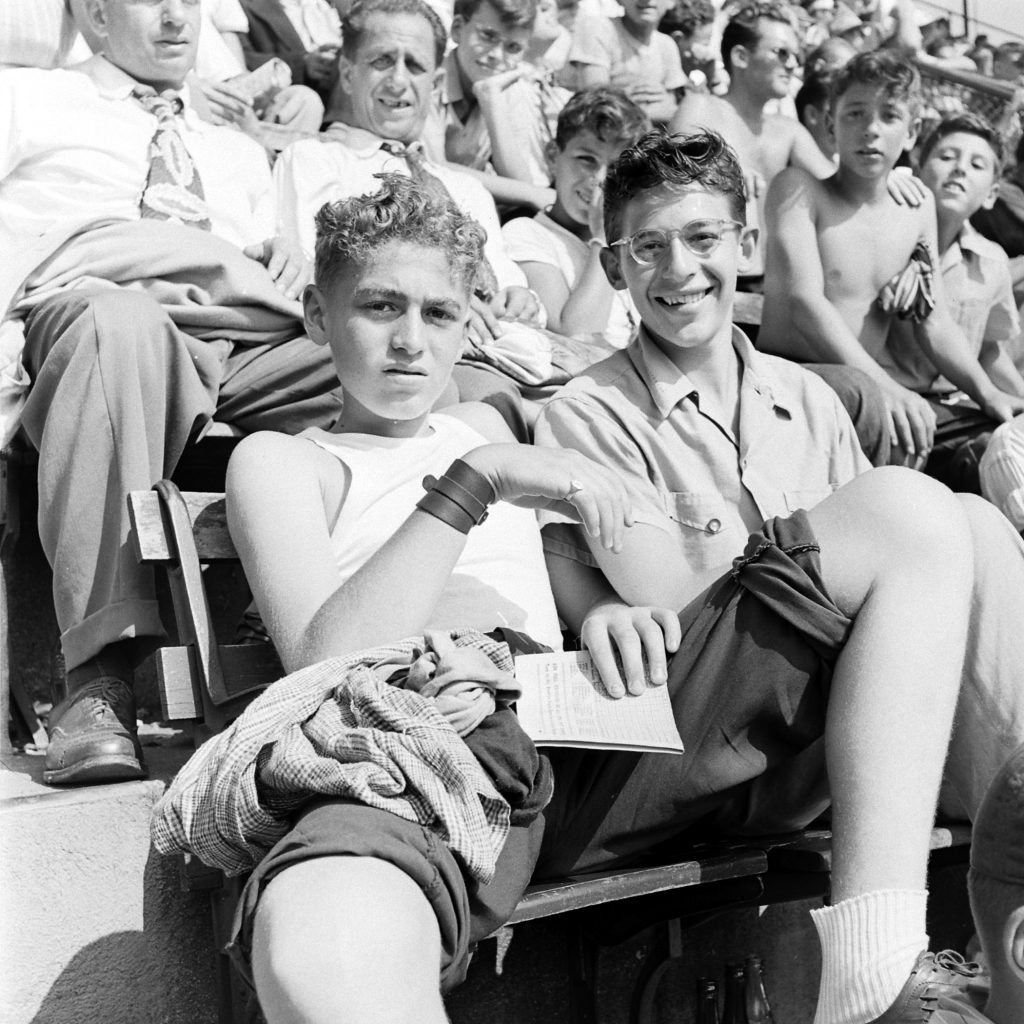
<point>133,236</point>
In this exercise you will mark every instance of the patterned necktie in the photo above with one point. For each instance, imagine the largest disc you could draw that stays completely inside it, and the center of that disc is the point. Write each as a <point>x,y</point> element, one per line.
<point>414,158</point>
<point>173,190</point>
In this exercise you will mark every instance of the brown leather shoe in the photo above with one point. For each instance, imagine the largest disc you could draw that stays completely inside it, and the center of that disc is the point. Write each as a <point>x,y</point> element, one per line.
<point>93,736</point>
<point>934,975</point>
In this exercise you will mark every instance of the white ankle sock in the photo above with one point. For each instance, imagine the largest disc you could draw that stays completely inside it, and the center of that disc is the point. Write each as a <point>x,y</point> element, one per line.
<point>868,947</point>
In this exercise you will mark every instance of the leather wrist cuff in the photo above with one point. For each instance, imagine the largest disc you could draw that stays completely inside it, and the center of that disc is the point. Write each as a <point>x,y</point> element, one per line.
<point>459,498</point>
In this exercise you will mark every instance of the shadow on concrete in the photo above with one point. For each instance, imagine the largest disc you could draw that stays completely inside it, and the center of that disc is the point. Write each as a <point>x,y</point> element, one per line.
<point>162,974</point>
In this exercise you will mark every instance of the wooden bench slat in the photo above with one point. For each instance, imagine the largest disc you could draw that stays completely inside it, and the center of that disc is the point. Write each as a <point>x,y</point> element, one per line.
<point>209,527</point>
<point>813,852</point>
<point>248,669</point>
<point>547,899</point>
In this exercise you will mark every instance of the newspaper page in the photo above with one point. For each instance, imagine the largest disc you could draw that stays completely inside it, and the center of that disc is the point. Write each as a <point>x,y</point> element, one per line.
<point>565,705</point>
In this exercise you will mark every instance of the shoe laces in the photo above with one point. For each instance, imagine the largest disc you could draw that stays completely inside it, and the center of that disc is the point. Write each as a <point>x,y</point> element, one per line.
<point>103,697</point>
<point>950,960</point>
<point>951,971</point>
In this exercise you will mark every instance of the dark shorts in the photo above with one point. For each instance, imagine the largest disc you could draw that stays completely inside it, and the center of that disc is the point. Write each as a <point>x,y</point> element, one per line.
<point>749,689</point>
<point>962,433</point>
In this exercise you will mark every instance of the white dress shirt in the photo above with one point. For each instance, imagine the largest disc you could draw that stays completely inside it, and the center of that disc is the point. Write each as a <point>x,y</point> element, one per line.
<point>73,152</point>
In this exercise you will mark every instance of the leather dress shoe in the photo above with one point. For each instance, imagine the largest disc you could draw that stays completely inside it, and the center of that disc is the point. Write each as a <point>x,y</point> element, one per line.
<point>934,975</point>
<point>93,736</point>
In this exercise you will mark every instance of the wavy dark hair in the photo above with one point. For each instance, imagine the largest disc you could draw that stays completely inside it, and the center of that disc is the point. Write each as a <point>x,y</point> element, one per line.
<point>701,160</point>
<point>511,13</point>
<point>972,124</point>
<point>608,113</point>
<point>742,28</point>
<point>886,69</point>
<point>403,210</point>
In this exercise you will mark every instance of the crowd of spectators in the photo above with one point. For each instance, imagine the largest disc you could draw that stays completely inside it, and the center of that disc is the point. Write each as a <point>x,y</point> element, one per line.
<point>168,177</point>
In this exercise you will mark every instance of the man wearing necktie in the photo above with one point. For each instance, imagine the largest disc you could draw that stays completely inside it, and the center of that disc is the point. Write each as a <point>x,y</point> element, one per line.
<point>104,164</point>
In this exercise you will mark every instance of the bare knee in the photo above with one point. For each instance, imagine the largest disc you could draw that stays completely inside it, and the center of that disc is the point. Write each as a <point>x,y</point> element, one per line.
<point>330,933</point>
<point>892,523</point>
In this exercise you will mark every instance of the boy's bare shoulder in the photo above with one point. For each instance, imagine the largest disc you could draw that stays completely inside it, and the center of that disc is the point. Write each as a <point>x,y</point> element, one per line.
<point>700,110</point>
<point>275,458</point>
<point>794,183</point>
<point>484,419</point>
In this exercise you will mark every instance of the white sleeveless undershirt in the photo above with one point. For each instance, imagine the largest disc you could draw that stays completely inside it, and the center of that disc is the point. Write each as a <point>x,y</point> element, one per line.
<point>500,578</point>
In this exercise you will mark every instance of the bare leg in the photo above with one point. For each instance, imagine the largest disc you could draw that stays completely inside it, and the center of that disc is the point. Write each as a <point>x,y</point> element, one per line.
<point>896,555</point>
<point>990,714</point>
<point>347,939</point>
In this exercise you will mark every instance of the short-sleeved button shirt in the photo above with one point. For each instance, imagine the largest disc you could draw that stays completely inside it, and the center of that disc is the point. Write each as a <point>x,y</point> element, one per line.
<point>637,413</point>
<point>979,290</point>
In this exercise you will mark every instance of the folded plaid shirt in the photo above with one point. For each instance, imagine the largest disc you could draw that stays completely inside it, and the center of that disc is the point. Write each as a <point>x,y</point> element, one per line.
<point>336,729</point>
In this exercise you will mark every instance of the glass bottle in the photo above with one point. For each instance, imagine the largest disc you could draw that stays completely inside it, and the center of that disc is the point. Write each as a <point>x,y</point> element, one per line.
<point>758,1009</point>
<point>707,1001</point>
<point>735,994</point>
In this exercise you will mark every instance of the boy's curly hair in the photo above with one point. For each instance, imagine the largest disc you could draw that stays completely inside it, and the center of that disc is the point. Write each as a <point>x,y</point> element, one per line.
<point>404,210</point>
<point>702,160</point>
<point>608,113</point>
<point>893,73</point>
<point>972,124</point>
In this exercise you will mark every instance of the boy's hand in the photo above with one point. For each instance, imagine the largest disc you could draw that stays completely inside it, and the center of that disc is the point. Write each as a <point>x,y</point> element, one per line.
<point>638,634</point>
<point>595,214</point>
<point>912,424</point>
<point>288,267</point>
<point>559,480</point>
<point>490,91</point>
<point>904,188</point>
<point>516,303</point>
<point>227,105</point>
<point>756,185</point>
<point>1002,407</point>
<point>485,317</point>
<point>646,95</point>
<point>319,63</point>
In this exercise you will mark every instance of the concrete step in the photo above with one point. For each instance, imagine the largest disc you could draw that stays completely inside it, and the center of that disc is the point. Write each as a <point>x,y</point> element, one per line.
<point>94,927</point>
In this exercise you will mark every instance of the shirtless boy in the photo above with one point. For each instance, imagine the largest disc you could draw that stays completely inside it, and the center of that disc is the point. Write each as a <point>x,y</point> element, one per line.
<point>834,245</point>
<point>761,52</point>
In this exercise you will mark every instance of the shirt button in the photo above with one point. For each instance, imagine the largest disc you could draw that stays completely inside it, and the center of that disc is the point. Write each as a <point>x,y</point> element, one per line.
<point>714,525</point>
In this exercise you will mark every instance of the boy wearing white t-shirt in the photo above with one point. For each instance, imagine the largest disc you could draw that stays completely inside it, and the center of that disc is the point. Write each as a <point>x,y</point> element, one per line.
<point>629,53</point>
<point>559,248</point>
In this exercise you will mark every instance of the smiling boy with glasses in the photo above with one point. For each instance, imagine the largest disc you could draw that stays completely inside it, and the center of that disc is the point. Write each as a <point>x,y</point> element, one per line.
<point>711,437</point>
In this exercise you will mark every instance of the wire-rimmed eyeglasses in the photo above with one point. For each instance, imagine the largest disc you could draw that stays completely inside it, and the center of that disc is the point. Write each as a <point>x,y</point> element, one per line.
<point>701,237</point>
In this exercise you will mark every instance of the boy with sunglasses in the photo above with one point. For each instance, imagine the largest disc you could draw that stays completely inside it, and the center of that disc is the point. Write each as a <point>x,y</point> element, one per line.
<point>711,437</point>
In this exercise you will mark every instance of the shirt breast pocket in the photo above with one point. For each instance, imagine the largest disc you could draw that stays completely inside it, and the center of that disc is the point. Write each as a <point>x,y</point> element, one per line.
<point>706,526</point>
